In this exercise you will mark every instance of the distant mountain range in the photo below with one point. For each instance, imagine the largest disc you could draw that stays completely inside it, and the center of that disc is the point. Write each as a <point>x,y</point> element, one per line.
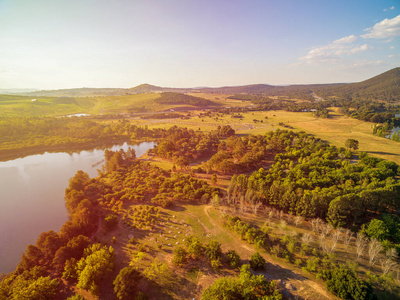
<point>385,86</point>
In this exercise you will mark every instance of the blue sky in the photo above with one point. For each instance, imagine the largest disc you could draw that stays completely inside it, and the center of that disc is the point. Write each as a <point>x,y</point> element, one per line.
<point>54,44</point>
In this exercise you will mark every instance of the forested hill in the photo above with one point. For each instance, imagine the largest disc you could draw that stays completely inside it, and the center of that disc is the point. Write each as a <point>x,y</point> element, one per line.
<point>177,98</point>
<point>385,86</point>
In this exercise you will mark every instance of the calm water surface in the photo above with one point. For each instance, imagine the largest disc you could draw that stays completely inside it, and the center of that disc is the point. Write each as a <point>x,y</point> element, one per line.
<point>32,196</point>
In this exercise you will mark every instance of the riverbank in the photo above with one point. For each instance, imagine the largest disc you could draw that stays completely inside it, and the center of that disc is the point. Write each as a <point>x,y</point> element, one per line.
<point>71,148</point>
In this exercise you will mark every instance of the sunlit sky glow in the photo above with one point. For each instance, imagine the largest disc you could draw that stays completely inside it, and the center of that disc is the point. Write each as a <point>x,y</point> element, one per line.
<point>54,44</point>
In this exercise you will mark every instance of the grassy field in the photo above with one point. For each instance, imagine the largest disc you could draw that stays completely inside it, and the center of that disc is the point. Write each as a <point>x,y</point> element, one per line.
<point>17,106</point>
<point>336,129</point>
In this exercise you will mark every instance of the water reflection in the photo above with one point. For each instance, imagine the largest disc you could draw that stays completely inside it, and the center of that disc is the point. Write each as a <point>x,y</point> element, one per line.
<point>32,196</point>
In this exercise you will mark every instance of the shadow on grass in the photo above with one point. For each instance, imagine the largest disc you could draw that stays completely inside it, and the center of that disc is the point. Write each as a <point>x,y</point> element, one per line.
<point>383,153</point>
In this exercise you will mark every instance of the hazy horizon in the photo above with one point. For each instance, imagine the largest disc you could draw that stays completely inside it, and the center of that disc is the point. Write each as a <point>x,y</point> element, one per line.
<point>48,45</point>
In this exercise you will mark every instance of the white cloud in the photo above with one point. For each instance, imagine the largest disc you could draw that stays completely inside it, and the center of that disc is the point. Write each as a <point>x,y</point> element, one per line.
<point>346,40</point>
<point>363,63</point>
<point>387,28</point>
<point>332,52</point>
<point>392,8</point>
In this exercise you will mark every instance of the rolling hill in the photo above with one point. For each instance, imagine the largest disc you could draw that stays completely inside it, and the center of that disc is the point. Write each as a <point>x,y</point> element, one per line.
<point>385,86</point>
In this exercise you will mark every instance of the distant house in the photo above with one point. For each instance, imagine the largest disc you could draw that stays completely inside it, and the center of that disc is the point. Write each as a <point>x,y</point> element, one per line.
<point>313,109</point>
<point>34,100</point>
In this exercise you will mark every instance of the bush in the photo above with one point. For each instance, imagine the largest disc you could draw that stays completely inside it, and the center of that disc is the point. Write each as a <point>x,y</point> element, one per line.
<point>216,264</point>
<point>257,261</point>
<point>233,258</point>
<point>213,250</point>
<point>125,283</point>
<point>344,283</point>
<point>179,256</point>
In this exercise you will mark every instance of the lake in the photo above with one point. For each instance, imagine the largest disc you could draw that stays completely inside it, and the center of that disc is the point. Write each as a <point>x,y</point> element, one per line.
<point>32,196</point>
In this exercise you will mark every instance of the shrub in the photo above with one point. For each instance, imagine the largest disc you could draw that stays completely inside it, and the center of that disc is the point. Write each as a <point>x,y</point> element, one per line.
<point>179,256</point>
<point>344,283</point>
<point>216,264</point>
<point>257,261</point>
<point>213,250</point>
<point>233,258</point>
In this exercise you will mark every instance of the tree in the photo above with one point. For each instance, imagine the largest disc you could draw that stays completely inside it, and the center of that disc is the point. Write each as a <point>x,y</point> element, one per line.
<point>306,238</point>
<point>257,261</point>
<point>78,181</point>
<point>194,246</point>
<point>49,242</point>
<point>377,229</point>
<point>92,268</point>
<point>125,283</point>
<point>213,250</point>
<point>388,262</point>
<point>42,288</point>
<point>345,284</point>
<point>361,242</point>
<point>351,144</point>
<point>179,256</point>
<point>374,248</point>
<point>159,273</point>
<point>233,258</point>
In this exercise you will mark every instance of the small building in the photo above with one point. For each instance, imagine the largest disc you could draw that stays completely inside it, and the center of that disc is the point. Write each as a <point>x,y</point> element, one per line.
<point>34,100</point>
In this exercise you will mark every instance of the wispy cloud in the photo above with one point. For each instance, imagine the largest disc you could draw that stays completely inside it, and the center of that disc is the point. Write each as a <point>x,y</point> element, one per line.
<point>364,63</point>
<point>332,52</point>
<point>390,8</point>
<point>387,28</point>
<point>346,40</point>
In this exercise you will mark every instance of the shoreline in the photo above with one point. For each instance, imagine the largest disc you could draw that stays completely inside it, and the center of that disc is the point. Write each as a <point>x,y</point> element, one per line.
<point>12,154</point>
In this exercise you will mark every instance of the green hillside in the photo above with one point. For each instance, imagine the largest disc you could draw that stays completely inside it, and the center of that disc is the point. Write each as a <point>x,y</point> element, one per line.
<point>385,86</point>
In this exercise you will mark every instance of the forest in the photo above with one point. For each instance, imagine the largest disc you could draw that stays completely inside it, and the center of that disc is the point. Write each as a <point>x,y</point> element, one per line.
<point>178,98</point>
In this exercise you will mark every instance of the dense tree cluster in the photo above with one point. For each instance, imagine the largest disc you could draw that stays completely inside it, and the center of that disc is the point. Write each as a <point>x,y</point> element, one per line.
<point>344,282</point>
<point>313,179</point>
<point>96,262</point>
<point>178,98</point>
<point>244,286</point>
<point>182,145</point>
<point>382,87</point>
<point>239,154</point>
